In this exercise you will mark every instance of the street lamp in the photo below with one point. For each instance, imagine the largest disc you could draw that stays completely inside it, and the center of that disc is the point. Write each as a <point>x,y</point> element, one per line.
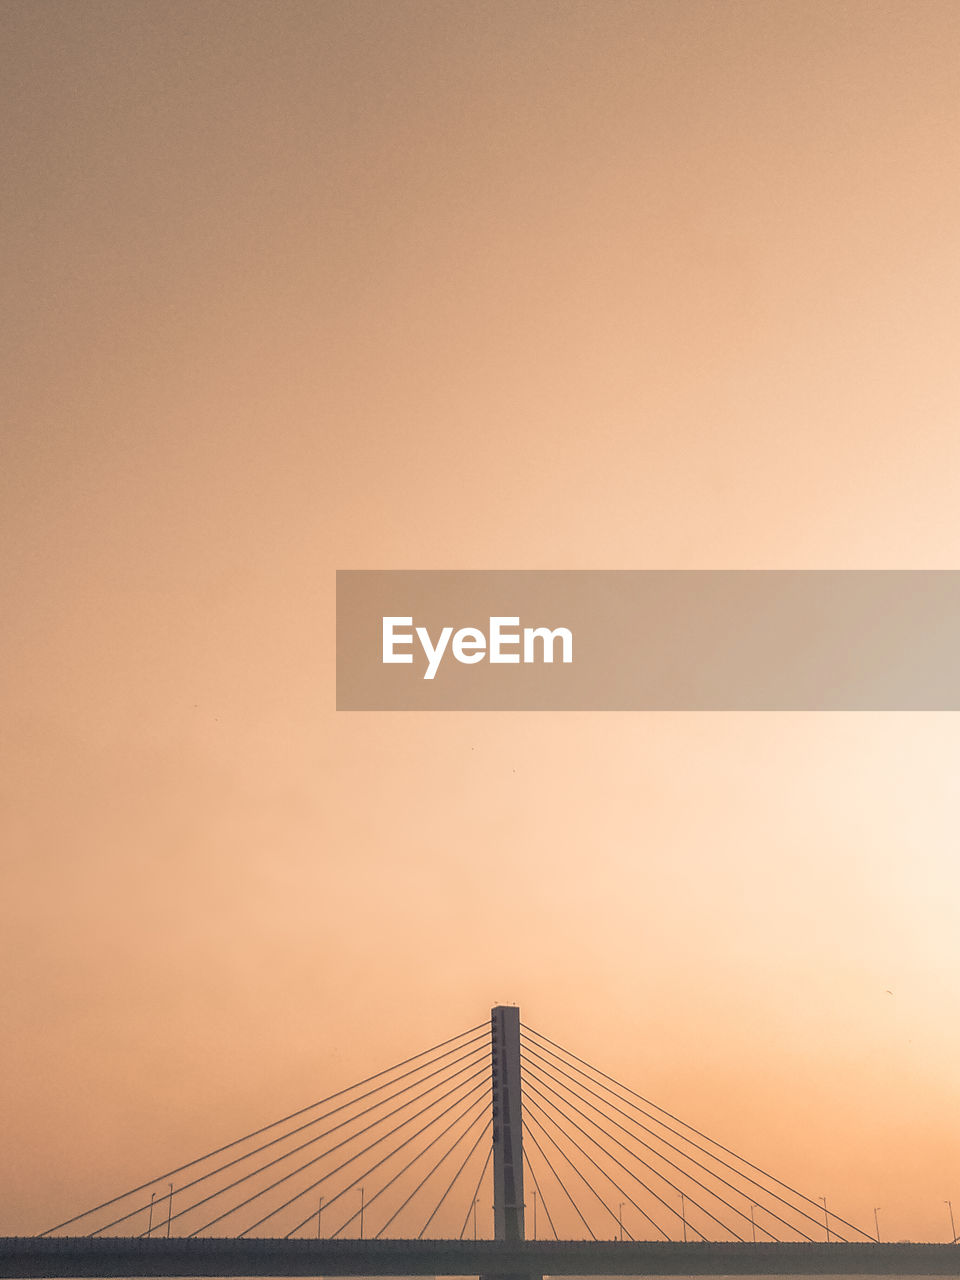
<point>319,1211</point>
<point>620,1219</point>
<point>953,1225</point>
<point>153,1196</point>
<point>876,1221</point>
<point>361,1213</point>
<point>826,1220</point>
<point>683,1216</point>
<point>169,1208</point>
<point>753,1223</point>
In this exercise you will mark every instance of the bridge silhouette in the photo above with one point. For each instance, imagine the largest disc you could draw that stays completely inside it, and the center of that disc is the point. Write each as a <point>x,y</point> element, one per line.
<point>497,1153</point>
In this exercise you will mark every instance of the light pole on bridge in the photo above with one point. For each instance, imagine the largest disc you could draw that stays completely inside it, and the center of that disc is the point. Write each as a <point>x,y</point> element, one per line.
<point>953,1225</point>
<point>826,1220</point>
<point>876,1221</point>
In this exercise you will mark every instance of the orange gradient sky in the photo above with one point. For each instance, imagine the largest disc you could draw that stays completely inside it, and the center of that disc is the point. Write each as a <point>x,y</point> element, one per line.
<point>292,287</point>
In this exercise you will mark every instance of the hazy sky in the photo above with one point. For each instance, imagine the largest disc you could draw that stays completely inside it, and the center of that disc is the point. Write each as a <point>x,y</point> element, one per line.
<point>292,287</point>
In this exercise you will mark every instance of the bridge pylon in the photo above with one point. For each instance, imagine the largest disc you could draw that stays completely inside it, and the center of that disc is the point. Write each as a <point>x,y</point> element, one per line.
<point>507,1128</point>
<point>507,1124</point>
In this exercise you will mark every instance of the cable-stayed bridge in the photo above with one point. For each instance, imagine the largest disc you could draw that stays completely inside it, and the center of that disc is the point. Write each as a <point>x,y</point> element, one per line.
<point>494,1153</point>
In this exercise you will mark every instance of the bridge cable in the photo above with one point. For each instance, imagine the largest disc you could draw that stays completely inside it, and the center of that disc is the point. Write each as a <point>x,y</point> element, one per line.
<point>653,1222</point>
<point>541,1112</point>
<point>378,1163</point>
<point>709,1191</point>
<point>476,1192</point>
<point>654,1171</point>
<point>690,1177</point>
<point>466,1161</point>
<point>533,1175</point>
<point>449,1151</point>
<point>163,1177</point>
<point>410,1163</point>
<point>742,1159</point>
<point>475,1054</point>
<point>659,1138</point>
<point>337,1146</point>
<point>606,1175</point>
<point>738,1191</point>
<point>423,1181</point>
<point>533,1136</point>
<point>650,1191</point>
<point>410,1102</point>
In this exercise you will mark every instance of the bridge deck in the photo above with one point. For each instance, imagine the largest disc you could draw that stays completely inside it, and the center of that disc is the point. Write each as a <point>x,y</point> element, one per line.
<point>58,1256</point>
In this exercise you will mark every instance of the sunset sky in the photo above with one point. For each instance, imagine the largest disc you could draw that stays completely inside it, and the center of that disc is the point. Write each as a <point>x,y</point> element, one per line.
<point>292,287</point>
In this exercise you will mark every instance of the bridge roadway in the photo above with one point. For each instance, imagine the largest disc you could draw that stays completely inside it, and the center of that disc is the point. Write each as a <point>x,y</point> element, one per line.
<point>59,1256</point>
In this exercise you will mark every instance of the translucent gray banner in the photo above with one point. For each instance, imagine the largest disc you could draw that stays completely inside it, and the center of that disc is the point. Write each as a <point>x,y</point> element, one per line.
<point>700,640</point>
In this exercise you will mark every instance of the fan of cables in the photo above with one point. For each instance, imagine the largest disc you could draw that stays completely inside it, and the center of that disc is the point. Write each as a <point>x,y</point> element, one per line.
<point>406,1154</point>
<point>403,1152</point>
<point>605,1162</point>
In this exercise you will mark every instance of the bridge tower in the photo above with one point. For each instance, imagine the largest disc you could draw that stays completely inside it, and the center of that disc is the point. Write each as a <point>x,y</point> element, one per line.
<point>507,1124</point>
